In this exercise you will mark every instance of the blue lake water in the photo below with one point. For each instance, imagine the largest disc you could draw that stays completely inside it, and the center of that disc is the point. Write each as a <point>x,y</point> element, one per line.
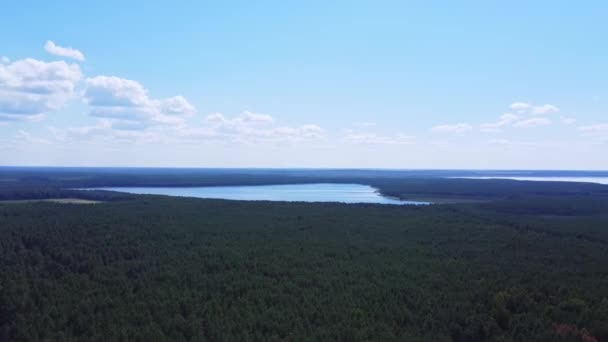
<point>344,193</point>
<point>599,180</point>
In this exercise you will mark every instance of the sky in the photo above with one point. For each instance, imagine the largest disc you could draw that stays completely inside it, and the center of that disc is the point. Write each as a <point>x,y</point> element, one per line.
<point>319,84</point>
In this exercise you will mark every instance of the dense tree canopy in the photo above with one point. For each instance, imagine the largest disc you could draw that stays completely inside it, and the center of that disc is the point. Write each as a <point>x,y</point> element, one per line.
<point>528,265</point>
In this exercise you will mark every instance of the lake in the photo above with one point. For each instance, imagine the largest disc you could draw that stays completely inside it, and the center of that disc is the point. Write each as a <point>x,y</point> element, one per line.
<point>598,180</point>
<point>344,193</point>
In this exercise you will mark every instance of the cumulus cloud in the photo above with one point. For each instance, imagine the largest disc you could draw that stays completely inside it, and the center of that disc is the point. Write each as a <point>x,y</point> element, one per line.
<point>123,108</point>
<point>111,91</point>
<point>247,127</point>
<point>255,127</point>
<point>525,117</point>
<point>459,128</point>
<point>504,120</point>
<point>127,102</point>
<point>30,88</point>
<point>534,122</point>
<point>253,132</point>
<point>245,120</point>
<point>68,52</point>
<point>523,107</point>
<point>300,132</point>
<point>520,106</point>
<point>5,59</point>
<point>532,143</point>
<point>545,109</point>
<point>177,105</point>
<point>256,117</point>
<point>106,131</point>
<point>216,118</point>
<point>364,124</point>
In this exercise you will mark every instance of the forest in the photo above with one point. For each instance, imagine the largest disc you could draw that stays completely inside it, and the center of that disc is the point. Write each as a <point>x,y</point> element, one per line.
<point>516,261</point>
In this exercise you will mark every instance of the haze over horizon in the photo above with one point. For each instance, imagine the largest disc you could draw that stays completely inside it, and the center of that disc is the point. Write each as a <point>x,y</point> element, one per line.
<point>388,84</point>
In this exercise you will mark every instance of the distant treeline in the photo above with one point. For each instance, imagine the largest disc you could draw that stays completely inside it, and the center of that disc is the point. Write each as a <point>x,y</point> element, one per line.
<point>28,190</point>
<point>38,183</point>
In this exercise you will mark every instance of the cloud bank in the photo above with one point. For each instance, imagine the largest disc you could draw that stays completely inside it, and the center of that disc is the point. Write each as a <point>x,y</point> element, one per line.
<point>30,88</point>
<point>127,102</point>
<point>68,52</point>
<point>459,128</point>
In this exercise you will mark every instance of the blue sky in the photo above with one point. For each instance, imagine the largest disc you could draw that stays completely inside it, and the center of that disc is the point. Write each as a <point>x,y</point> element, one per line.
<point>387,84</point>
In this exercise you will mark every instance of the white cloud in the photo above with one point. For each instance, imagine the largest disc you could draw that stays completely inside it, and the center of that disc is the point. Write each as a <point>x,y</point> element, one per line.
<point>523,110</point>
<point>111,91</point>
<point>256,117</point>
<point>253,127</point>
<point>216,118</point>
<point>545,109</point>
<point>365,124</point>
<point>248,128</point>
<point>57,50</point>
<point>30,88</point>
<point>177,105</point>
<point>504,120</point>
<point>534,122</point>
<point>5,60</point>
<point>128,101</point>
<point>301,132</point>
<point>254,135</point>
<point>523,107</point>
<point>520,106</point>
<point>508,118</point>
<point>125,111</point>
<point>532,143</point>
<point>243,121</point>
<point>459,128</point>
<point>375,139</point>
<point>106,131</point>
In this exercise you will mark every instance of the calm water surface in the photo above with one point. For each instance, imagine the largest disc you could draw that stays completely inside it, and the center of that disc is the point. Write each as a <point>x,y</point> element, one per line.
<point>599,180</point>
<point>345,193</point>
